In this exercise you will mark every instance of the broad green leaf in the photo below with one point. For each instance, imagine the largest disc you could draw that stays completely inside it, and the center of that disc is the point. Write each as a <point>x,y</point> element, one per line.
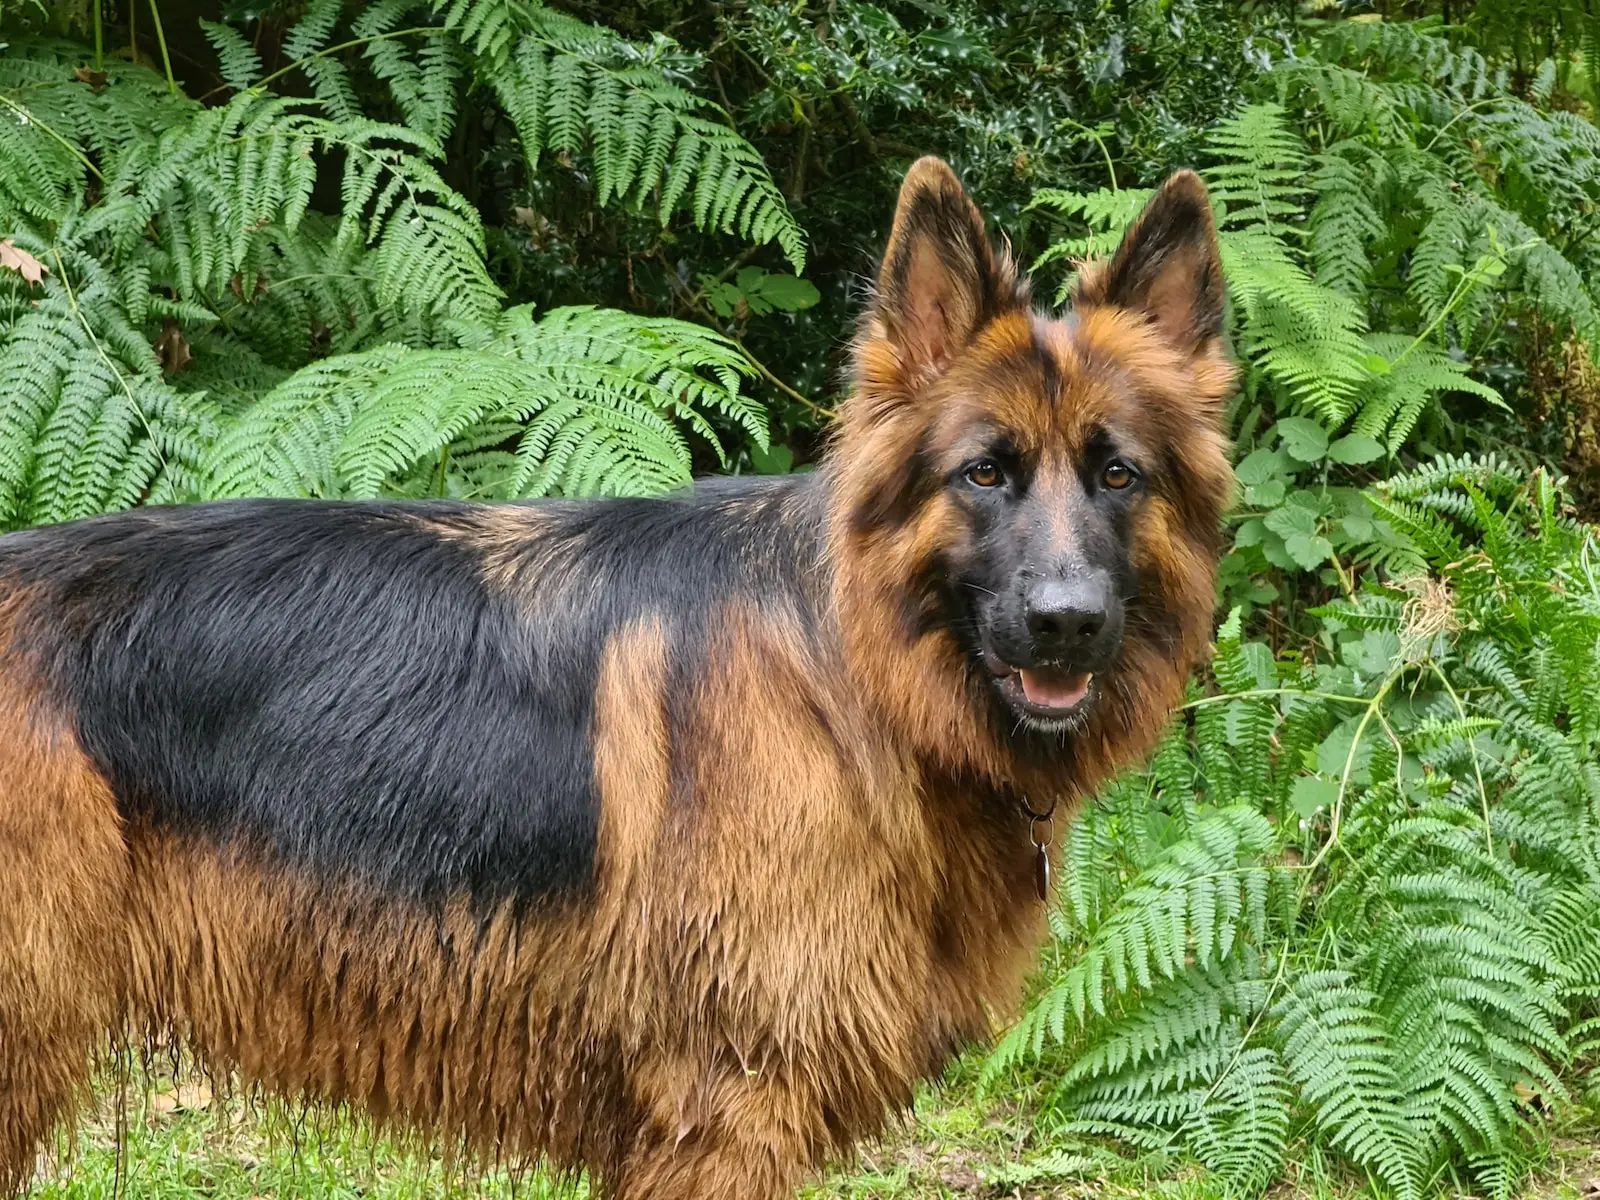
<point>1261,465</point>
<point>776,459</point>
<point>788,293</point>
<point>1356,448</point>
<point>1312,794</point>
<point>1303,438</point>
<point>1265,495</point>
<point>1374,652</point>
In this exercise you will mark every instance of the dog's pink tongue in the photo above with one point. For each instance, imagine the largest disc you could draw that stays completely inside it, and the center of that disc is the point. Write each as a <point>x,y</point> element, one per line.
<point>1053,689</point>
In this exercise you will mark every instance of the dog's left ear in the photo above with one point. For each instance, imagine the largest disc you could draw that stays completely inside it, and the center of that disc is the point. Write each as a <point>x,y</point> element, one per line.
<point>1167,267</point>
<point>941,281</point>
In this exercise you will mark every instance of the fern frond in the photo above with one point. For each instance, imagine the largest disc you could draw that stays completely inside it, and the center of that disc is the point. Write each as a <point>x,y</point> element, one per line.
<point>1415,374</point>
<point>566,84</point>
<point>1241,1132</point>
<point>592,397</point>
<point>1334,1049</point>
<point>237,60</point>
<point>1202,896</point>
<point>89,425</point>
<point>1344,223</point>
<point>1305,335</point>
<point>1261,168</point>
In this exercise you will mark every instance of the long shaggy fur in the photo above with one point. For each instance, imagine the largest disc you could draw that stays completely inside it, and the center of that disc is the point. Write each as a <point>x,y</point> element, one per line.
<point>674,840</point>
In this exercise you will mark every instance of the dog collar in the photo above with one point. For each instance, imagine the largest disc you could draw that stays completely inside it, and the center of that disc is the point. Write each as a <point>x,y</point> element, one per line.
<point>1041,844</point>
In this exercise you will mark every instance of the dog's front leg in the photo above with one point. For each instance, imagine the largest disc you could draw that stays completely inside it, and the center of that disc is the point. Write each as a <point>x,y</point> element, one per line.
<point>740,1136</point>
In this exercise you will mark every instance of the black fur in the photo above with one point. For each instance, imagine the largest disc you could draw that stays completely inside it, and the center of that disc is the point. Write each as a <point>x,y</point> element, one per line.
<point>337,683</point>
<point>899,495</point>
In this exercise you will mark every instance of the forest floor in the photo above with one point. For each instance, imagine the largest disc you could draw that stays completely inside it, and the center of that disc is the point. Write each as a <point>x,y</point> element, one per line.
<point>184,1143</point>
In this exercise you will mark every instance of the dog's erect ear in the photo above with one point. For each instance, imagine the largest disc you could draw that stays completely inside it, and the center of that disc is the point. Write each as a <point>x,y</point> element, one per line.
<point>941,281</point>
<point>1167,266</point>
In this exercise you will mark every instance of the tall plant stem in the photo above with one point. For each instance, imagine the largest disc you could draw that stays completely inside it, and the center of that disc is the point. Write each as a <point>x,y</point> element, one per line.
<point>99,41</point>
<point>161,40</point>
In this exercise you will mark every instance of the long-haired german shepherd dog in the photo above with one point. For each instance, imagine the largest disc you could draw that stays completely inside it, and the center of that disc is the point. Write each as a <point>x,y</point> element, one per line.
<point>671,839</point>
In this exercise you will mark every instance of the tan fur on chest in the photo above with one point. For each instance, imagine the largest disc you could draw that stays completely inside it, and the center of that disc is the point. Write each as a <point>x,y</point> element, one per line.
<point>842,919</point>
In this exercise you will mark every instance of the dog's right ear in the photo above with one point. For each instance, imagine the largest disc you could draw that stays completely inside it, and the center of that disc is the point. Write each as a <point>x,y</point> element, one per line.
<point>941,281</point>
<point>1167,268</point>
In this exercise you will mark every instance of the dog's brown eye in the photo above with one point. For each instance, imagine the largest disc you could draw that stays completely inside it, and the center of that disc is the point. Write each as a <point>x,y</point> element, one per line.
<point>1118,476</point>
<point>985,474</point>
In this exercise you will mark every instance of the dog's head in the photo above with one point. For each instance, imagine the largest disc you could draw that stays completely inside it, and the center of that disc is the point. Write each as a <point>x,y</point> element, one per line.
<point>1035,498</point>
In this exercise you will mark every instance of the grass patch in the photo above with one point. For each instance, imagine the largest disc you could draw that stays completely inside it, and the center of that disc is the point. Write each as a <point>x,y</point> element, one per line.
<point>183,1142</point>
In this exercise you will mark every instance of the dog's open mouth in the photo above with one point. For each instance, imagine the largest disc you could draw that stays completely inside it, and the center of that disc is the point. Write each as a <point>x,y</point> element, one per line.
<point>1056,691</point>
<point>1048,692</point>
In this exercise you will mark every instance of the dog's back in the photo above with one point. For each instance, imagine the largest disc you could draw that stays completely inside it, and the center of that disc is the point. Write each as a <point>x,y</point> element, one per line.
<point>403,693</point>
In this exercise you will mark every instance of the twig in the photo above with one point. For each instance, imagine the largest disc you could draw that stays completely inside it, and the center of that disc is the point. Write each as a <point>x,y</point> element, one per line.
<point>826,414</point>
<point>1336,818</point>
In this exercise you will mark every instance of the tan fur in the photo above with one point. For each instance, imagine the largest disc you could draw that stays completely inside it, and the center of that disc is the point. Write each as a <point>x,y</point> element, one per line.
<point>63,885</point>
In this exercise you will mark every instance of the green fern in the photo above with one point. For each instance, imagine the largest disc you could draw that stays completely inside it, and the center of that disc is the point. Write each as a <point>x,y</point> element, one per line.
<point>88,424</point>
<point>425,84</point>
<point>1441,135</point>
<point>1344,222</point>
<point>1430,173</point>
<point>1303,336</point>
<point>1413,374</point>
<point>565,83</point>
<point>1106,212</point>
<point>357,353</point>
<point>1336,1051</point>
<point>585,401</point>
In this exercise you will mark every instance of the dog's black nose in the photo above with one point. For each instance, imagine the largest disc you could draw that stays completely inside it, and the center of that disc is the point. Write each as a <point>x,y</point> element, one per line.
<point>1066,615</point>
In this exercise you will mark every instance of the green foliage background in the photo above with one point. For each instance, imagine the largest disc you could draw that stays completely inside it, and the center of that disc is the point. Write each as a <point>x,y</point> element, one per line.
<point>496,249</point>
